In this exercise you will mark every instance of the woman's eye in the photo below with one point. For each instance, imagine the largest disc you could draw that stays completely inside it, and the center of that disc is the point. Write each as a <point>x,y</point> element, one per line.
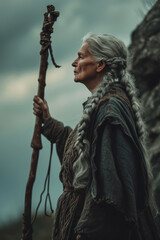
<point>80,56</point>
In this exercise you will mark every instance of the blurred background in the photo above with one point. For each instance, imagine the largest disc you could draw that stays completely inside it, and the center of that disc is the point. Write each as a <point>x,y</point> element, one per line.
<point>20,27</point>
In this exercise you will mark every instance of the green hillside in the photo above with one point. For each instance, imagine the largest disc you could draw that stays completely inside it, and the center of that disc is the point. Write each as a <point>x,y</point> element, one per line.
<point>42,229</point>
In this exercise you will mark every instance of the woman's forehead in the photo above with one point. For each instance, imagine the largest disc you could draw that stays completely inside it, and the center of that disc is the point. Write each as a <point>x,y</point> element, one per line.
<point>83,49</point>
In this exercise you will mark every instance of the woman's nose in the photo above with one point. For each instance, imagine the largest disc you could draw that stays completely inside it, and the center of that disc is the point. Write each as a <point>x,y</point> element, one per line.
<point>74,64</point>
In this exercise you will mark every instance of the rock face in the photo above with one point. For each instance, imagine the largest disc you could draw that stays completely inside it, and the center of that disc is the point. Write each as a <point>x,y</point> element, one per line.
<point>145,52</point>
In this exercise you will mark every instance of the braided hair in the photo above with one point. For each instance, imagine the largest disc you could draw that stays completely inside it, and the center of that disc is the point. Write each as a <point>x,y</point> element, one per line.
<point>113,51</point>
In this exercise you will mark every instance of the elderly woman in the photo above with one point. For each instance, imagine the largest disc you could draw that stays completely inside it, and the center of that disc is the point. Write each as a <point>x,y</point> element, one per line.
<point>105,173</point>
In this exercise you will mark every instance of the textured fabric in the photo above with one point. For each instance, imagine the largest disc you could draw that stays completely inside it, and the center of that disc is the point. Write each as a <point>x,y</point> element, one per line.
<point>116,114</point>
<point>55,132</point>
<point>116,210</point>
<point>70,202</point>
<point>101,221</point>
<point>114,206</point>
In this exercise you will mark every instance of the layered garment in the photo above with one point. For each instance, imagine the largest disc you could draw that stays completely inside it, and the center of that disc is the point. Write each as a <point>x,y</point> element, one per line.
<point>114,205</point>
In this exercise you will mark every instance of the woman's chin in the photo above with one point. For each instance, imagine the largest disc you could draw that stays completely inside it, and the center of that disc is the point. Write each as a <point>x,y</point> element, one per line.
<point>76,79</point>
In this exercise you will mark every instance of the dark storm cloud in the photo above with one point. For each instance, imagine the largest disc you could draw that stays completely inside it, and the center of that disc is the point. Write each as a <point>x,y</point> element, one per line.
<point>21,23</point>
<point>18,18</point>
<point>94,16</point>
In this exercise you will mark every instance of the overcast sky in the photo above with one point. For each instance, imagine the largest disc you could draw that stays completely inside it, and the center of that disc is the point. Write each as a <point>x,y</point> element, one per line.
<point>20,25</point>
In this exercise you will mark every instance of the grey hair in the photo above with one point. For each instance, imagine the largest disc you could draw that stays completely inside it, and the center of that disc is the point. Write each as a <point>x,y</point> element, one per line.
<point>113,51</point>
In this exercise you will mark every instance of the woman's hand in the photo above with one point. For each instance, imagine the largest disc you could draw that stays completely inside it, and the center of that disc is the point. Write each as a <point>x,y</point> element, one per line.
<point>40,108</point>
<point>78,237</point>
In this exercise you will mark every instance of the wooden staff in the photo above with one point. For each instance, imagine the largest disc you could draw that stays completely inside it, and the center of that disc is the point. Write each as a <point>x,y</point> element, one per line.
<point>49,18</point>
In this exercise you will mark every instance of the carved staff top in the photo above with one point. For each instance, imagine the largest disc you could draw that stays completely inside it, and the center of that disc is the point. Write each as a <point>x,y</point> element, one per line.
<point>49,18</point>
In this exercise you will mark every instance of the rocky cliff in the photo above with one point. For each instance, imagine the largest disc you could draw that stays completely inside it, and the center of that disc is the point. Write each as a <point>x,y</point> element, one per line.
<point>145,65</point>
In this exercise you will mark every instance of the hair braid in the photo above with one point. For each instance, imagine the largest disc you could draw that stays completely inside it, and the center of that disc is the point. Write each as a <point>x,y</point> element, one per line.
<point>81,166</point>
<point>117,68</point>
<point>129,85</point>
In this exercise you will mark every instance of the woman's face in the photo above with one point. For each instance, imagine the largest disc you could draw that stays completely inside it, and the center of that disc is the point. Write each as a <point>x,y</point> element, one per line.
<point>84,66</point>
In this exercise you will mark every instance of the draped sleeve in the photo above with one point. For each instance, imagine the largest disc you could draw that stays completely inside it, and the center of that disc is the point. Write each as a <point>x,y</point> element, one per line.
<point>57,133</point>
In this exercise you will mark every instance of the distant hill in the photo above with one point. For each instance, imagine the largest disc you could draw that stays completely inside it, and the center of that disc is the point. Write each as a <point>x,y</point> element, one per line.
<point>42,229</point>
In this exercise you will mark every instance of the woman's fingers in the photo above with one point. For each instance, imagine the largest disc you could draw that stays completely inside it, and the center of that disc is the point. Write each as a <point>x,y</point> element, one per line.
<point>36,105</point>
<point>37,109</point>
<point>37,112</point>
<point>38,100</point>
<point>78,237</point>
<point>40,108</point>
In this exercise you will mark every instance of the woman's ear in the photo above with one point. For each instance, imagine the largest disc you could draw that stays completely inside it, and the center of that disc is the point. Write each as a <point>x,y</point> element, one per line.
<point>101,65</point>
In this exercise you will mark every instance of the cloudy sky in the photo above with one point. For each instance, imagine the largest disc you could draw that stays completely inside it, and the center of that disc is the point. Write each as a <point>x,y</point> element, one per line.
<point>20,24</point>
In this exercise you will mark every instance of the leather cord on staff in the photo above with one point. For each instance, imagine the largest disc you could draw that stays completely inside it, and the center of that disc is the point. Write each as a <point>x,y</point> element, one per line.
<point>47,182</point>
